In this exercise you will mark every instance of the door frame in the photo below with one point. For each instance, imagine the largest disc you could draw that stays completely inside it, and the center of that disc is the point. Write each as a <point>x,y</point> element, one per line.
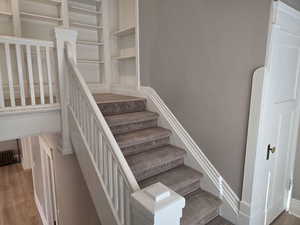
<point>285,18</point>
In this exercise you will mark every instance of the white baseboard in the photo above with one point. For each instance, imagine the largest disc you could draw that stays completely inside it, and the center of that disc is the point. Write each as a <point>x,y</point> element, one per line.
<point>295,207</point>
<point>40,209</point>
<point>230,209</point>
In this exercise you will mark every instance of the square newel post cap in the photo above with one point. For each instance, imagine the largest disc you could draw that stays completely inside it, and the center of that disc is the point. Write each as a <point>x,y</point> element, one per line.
<point>158,205</point>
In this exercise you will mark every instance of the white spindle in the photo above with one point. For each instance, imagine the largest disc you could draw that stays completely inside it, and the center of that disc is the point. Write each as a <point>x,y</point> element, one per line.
<point>49,73</point>
<point>40,72</point>
<point>110,174</point>
<point>2,100</point>
<point>100,154</point>
<point>115,184</point>
<point>10,77</point>
<point>20,75</point>
<point>127,206</point>
<point>30,74</point>
<point>122,205</point>
<point>105,164</point>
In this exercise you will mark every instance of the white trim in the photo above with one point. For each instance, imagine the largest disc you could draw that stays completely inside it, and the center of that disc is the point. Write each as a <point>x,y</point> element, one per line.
<point>190,145</point>
<point>295,207</point>
<point>40,209</point>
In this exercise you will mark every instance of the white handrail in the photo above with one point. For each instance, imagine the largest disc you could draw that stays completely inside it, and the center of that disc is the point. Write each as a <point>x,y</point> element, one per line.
<point>108,159</point>
<point>25,41</point>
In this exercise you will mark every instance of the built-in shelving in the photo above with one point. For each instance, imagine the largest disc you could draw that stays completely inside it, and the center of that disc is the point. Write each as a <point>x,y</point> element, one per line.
<point>89,61</point>
<point>5,13</point>
<point>86,26</point>
<point>53,2</point>
<point>125,31</point>
<point>41,17</point>
<point>90,43</point>
<point>124,57</point>
<point>81,10</point>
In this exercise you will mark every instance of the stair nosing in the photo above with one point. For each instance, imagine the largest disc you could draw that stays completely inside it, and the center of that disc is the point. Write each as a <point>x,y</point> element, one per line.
<point>167,133</point>
<point>154,116</point>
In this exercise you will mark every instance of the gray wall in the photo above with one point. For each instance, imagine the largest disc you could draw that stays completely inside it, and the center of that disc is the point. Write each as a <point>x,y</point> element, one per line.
<point>200,55</point>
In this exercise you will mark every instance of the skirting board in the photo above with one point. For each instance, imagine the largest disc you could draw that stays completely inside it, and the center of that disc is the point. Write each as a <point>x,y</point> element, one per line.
<point>295,207</point>
<point>40,209</point>
<point>183,139</point>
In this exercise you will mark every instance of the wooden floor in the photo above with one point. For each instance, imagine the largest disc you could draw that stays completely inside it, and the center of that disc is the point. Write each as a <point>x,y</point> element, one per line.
<point>286,219</point>
<point>17,206</point>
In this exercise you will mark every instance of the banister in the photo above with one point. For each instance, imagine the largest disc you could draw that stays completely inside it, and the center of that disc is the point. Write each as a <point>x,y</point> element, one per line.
<point>129,177</point>
<point>25,41</point>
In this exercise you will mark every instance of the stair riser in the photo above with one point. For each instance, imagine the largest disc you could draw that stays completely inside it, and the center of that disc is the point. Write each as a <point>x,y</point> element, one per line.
<point>141,175</point>
<point>108,109</point>
<point>145,146</point>
<point>133,127</point>
<point>209,217</point>
<point>189,189</point>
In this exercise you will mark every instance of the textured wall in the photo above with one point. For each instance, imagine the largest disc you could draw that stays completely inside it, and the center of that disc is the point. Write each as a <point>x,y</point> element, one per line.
<point>200,56</point>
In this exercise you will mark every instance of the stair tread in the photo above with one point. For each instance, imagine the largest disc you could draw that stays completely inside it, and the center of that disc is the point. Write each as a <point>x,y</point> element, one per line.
<point>219,221</point>
<point>128,118</point>
<point>104,98</point>
<point>199,208</point>
<point>182,180</point>
<point>141,136</point>
<point>154,159</point>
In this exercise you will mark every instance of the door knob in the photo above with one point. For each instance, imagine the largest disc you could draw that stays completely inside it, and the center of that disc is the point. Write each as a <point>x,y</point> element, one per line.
<point>270,150</point>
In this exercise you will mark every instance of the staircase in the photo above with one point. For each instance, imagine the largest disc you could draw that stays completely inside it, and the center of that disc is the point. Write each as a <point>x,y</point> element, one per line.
<point>152,158</point>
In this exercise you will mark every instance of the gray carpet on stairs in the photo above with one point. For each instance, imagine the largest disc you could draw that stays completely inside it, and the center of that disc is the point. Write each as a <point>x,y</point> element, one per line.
<point>153,159</point>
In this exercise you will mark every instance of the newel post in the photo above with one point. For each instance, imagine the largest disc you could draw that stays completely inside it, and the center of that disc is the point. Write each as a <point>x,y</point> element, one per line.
<point>157,205</point>
<point>64,36</point>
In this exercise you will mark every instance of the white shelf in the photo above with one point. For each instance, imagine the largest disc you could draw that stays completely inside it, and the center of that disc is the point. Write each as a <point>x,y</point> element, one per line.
<point>124,57</point>
<point>125,31</point>
<point>89,61</point>
<point>86,26</point>
<point>55,2</point>
<point>5,13</point>
<point>90,43</point>
<point>42,17</point>
<point>81,10</point>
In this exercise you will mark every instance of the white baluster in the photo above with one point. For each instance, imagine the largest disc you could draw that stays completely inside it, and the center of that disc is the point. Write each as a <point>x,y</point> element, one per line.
<point>122,197</point>
<point>30,74</point>
<point>105,164</point>
<point>2,100</point>
<point>40,72</point>
<point>115,185</point>
<point>100,154</point>
<point>49,73</point>
<point>20,75</point>
<point>10,77</point>
<point>127,207</point>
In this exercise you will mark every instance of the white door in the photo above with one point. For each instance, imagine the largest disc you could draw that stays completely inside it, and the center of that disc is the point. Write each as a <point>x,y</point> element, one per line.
<point>282,95</point>
<point>273,124</point>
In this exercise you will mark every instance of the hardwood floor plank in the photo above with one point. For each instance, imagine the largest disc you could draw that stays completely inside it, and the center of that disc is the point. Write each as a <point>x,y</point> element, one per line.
<point>17,206</point>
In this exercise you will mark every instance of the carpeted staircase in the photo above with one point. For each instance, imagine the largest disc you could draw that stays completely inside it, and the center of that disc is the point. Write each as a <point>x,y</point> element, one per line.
<point>153,159</point>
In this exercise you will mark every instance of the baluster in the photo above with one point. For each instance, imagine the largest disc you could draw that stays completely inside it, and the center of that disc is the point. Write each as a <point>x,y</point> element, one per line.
<point>10,77</point>
<point>30,74</point>
<point>105,164</point>
<point>49,73</point>
<point>96,142</point>
<point>40,72</point>
<point>127,206</point>
<point>115,182</point>
<point>121,203</point>
<point>110,178</point>
<point>2,100</point>
<point>100,153</point>
<point>20,74</point>
<point>91,134</point>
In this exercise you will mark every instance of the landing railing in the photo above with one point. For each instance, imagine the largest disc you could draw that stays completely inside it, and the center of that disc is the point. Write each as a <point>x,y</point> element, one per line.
<point>27,73</point>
